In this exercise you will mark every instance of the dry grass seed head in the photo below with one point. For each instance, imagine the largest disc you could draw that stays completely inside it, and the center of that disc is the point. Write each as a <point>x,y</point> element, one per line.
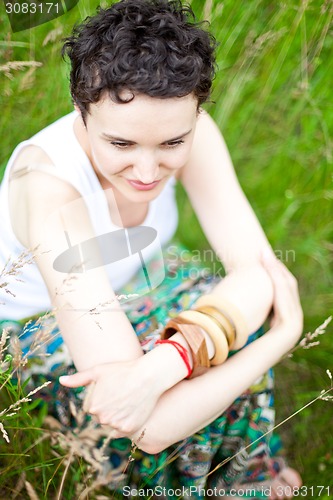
<point>16,350</point>
<point>3,340</point>
<point>11,66</point>
<point>16,406</point>
<point>53,35</point>
<point>308,340</point>
<point>4,433</point>
<point>13,268</point>
<point>82,442</point>
<point>31,491</point>
<point>45,327</point>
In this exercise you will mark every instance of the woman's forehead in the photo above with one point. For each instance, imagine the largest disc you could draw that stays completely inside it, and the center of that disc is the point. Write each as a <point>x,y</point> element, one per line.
<point>144,114</point>
<point>145,103</point>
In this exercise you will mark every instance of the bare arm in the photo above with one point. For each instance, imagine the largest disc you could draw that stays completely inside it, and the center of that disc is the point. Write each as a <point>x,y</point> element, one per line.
<point>92,323</point>
<point>229,223</point>
<point>49,210</point>
<point>197,402</point>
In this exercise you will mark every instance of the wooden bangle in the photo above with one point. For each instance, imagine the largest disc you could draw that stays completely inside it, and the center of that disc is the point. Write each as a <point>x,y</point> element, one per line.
<point>224,324</point>
<point>196,341</point>
<point>231,313</point>
<point>213,330</point>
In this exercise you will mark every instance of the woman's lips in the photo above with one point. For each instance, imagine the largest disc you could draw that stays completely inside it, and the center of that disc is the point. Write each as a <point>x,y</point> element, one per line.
<point>140,186</point>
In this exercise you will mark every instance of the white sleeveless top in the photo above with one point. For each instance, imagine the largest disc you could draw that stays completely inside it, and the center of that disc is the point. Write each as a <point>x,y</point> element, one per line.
<point>29,296</point>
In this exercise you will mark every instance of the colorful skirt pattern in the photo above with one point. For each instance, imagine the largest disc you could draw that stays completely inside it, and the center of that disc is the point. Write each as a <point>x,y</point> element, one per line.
<point>236,451</point>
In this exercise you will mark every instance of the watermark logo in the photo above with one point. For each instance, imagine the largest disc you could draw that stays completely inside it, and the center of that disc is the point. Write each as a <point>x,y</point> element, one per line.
<point>94,237</point>
<point>108,248</point>
<point>26,14</point>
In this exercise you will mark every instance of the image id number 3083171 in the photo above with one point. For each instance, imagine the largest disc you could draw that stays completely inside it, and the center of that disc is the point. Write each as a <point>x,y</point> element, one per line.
<point>32,7</point>
<point>304,491</point>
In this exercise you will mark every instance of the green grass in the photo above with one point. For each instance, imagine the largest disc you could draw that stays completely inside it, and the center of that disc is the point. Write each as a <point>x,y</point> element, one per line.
<point>273,101</point>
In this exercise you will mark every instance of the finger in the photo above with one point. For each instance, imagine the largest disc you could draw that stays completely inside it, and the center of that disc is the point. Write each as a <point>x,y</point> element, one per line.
<point>284,284</point>
<point>273,264</point>
<point>112,432</point>
<point>88,396</point>
<point>268,258</point>
<point>117,434</point>
<point>274,269</point>
<point>291,477</point>
<point>286,296</point>
<point>79,379</point>
<point>280,275</point>
<point>276,274</point>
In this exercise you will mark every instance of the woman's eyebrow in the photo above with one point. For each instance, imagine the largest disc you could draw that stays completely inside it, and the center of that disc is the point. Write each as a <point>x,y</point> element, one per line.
<point>178,137</point>
<point>110,137</point>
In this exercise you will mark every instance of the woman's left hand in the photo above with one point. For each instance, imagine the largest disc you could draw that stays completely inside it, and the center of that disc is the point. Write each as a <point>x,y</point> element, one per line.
<point>123,394</point>
<point>287,309</point>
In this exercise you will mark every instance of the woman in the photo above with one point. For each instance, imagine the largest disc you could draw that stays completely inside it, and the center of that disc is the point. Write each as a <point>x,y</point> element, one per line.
<point>77,192</point>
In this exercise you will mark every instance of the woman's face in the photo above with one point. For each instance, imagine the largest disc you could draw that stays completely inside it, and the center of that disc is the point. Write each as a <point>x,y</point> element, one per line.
<point>136,147</point>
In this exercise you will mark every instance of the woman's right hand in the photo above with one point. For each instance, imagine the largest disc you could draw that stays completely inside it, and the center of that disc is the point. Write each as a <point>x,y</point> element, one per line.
<point>120,395</point>
<point>287,310</point>
<point>123,394</point>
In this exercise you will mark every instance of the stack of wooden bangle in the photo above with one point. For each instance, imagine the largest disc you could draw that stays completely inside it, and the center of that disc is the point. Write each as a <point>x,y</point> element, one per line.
<point>195,339</point>
<point>227,330</point>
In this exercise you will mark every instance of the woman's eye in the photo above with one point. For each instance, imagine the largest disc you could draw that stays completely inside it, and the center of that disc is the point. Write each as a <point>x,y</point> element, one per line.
<point>120,145</point>
<point>174,144</point>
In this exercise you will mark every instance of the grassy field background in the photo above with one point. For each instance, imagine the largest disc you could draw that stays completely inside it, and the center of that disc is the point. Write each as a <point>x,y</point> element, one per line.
<point>273,101</point>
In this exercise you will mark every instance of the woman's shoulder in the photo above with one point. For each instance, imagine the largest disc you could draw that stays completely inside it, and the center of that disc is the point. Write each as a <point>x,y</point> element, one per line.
<point>30,155</point>
<point>205,125</point>
<point>207,148</point>
<point>34,150</point>
<point>35,190</point>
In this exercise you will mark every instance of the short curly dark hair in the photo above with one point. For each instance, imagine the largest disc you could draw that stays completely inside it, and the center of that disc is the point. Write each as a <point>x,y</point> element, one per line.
<point>152,47</point>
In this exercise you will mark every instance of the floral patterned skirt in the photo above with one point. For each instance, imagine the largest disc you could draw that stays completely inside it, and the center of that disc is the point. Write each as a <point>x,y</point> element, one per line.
<point>237,451</point>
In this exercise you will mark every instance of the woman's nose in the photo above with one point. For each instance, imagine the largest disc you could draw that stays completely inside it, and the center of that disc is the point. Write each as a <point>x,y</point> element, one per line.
<point>145,168</point>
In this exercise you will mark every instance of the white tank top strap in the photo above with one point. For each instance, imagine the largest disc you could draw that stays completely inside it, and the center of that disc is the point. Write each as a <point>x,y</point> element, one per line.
<point>39,167</point>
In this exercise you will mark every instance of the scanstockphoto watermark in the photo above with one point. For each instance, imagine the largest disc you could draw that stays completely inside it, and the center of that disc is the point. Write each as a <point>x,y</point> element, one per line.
<point>187,492</point>
<point>281,491</point>
<point>208,255</point>
<point>207,263</point>
<point>23,14</point>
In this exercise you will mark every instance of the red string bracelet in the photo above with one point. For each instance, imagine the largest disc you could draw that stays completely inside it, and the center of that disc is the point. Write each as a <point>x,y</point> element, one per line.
<point>181,350</point>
